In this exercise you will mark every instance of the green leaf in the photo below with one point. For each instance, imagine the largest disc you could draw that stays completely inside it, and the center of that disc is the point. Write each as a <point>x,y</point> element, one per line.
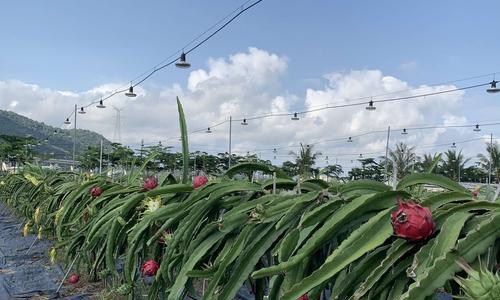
<point>468,248</point>
<point>184,138</point>
<point>366,238</point>
<point>431,179</point>
<point>181,278</point>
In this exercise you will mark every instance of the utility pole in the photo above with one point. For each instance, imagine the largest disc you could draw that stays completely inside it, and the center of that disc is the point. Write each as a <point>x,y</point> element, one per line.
<point>74,137</point>
<point>100,159</point>
<point>142,147</point>
<point>387,152</point>
<point>491,158</point>
<point>117,137</point>
<point>230,132</point>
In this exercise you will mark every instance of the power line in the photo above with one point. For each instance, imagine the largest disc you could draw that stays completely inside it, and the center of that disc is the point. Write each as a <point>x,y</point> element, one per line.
<point>287,114</point>
<point>240,10</point>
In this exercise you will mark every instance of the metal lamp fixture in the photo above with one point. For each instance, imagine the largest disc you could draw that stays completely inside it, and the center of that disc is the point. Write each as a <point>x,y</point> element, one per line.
<point>370,106</point>
<point>493,88</point>
<point>81,111</point>
<point>208,130</point>
<point>67,122</point>
<point>244,122</point>
<point>100,105</point>
<point>349,140</point>
<point>295,117</point>
<point>404,131</point>
<point>182,63</point>
<point>453,145</point>
<point>130,92</point>
<point>477,128</point>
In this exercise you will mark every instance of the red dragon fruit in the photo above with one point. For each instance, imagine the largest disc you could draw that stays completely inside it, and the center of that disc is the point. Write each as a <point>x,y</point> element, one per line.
<point>303,297</point>
<point>412,221</point>
<point>149,268</point>
<point>73,279</point>
<point>199,181</point>
<point>95,191</point>
<point>150,183</point>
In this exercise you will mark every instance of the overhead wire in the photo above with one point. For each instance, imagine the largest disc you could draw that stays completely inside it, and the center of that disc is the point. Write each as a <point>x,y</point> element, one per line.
<point>240,10</point>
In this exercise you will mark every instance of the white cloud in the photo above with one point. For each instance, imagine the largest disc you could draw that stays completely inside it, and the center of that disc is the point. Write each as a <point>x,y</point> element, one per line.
<point>250,84</point>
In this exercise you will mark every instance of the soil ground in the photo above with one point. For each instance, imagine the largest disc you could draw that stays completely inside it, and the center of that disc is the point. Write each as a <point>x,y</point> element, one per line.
<point>29,275</point>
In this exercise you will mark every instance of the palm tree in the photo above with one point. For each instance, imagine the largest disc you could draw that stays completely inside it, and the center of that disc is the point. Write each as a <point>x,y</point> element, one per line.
<point>429,162</point>
<point>493,156</point>
<point>305,159</point>
<point>453,163</point>
<point>402,158</point>
<point>332,171</point>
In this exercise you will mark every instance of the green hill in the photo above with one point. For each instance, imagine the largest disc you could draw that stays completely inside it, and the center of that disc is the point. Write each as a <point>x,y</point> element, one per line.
<point>52,139</point>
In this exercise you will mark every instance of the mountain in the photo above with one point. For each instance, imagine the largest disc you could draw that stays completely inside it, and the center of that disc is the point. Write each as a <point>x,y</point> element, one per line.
<point>52,139</point>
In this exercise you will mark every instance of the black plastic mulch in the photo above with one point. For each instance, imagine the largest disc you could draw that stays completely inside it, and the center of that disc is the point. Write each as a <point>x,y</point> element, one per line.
<point>25,276</point>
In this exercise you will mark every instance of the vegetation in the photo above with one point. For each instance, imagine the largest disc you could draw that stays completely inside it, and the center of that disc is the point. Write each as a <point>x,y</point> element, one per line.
<point>283,238</point>
<point>48,139</point>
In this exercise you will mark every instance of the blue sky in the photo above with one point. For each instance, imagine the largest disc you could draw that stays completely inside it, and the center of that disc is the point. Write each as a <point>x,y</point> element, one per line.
<point>75,45</point>
<point>88,47</point>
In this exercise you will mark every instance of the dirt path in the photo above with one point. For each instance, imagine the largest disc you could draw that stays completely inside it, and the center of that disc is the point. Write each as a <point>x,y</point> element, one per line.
<point>25,276</point>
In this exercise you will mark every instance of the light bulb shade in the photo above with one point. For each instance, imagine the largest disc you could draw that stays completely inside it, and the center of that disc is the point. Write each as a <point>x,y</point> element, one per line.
<point>493,88</point>
<point>453,145</point>
<point>244,122</point>
<point>81,111</point>
<point>208,130</point>
<point>130,92</point>
<point>295,117</point>
<point>182,63</point>
<point>67,122</point>
<point>404,131</point>
<point>477,128</point>
<point>370,106</point>
<point>349,140</point>
<point>100,105</point>
<point>274,150</point>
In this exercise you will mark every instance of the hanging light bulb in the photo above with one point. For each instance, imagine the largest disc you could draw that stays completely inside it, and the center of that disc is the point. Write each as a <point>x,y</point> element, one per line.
<point>404,131</point>
<point>244,122</point>
<point>477,128</point>
<point>159,143</point>
<point>295,117</point>
<point>130,92</point>
<point>326,159</point>
<point>67,122</point>
<point>81,111</point>
<point>208,130</point>
<point>274,150</point>
<point>182,63</point>
<point>493,88</point>
<point>453,145</point>
<point>274,157</point>
<point>349,140</point>
<point>361,156</point>
<point>370,106</point>
<point>100,105</point>
<point>55,131</point>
